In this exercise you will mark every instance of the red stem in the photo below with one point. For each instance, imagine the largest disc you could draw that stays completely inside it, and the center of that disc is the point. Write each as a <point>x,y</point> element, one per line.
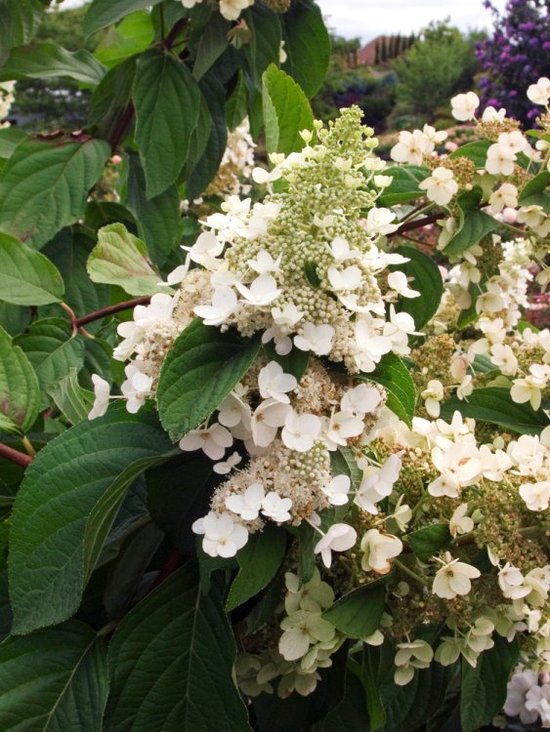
<point>14,455</point>
<point>418,224</point>
<point>111,310</point>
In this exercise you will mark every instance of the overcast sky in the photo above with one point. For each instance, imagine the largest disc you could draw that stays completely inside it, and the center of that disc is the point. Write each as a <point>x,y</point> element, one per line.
<point>370,18</point>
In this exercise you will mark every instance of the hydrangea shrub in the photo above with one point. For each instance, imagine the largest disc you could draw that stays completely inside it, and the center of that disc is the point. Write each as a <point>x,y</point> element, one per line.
<point>275,431</point>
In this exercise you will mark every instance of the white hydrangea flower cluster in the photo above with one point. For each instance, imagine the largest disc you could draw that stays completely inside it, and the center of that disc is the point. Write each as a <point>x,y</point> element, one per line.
<point>7,98</point>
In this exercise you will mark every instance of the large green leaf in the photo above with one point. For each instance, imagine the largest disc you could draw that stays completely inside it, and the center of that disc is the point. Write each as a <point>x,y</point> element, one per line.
<point>26,276</point>
<point>51,350</point>
<point>394,376</point>
<point>483,689</point>
<point>158,219</point>
<point>48,60</point>
<point>404,185</point>
<point>102,13</point>
<point>72,400</point>
<point>429,540</point>
<point>494,404</point>
<point>171,661</point>
<point>307,45</point>
<point>109,104</point>
<point>120,258</point>
<point>212,44</point>
<point>358,613</point>
<point>53,680</point>
<point>166,99</point>
<point>286,112</point>
<point>259,561</point>
<point>265,42</point>
<point>473,224</point>
<point>200,370</point>
<point>10,137</point>
<point>475,151</point>
<point>19,390</point>
<point>44,186</point>
<point>55,514</point>
<point>69,251</point>
<point>427,279</point>
<point>19,21</point>
<point>133,35</point>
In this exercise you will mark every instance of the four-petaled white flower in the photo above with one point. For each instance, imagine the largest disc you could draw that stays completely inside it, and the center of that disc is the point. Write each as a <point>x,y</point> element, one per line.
<point>378,549</point>
<point>361,399</point>
<point>460,522</point>
<point>411,147</point>
<point>464,106</point>
<point>539,93</point>
<point>337,490</point>
<point>347,279</point>
<point>224,304</point>
<point>212,440</point>
<point>398,281</point>
<point>410,656</point>
<point>316,338</point>
<point>274,383</point>
<point>206,250</point>
<point>222,536</point>
<point>440,186</point>
<point>300,431</point>
<point>276,507</point>
<point>227,466</point>
<point>102,392</point>
<point>500,160</point>
<point>377,483</point>
<point>136,388</point>
<point>339,538</point>
<point>265,263</point>
<point>266,419</point>
<point>379,222</point>
<point>454,578</point>
<point>248,504</point>
<point>536,495</point>
<point>262,291</point>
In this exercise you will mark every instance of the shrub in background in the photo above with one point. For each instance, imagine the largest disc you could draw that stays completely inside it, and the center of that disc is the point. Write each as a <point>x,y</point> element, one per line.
<point>517,52</point>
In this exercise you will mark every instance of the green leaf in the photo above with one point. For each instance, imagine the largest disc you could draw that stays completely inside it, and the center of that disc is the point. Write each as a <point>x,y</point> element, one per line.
<point>10,137</point>
<point>427,279</point>
<point>212,44</point>
<point>475,151</point>
<point>343,462</point>
<point>120,258</point>
<point>404,185</point>
<point>265,43</point>
<point>19,21</point>
<point>158,219</point>
<point>57,502</point>
<point>72,400</point>
<point>207,164</point>
<point>171,660</point>
<point>55,679</point>
<point>286,112</point>
<point>166,98</point>
<point>473,225</point>
<point>50,61</point>
<point>358,613</point>
<point>26,276</point>
<point>483,689</point>
<point>43,187</point>
<point>307,45</point>
<point>429,540</point>
<point>103,514</point>
<point>69,251</point>
<point>19,390</point>
<point>235,109</point>
<point>102,13</point>
<point>259,560</point>
<point>200,370</point>
<point>52,350</point>
<point>394,376</point>
<point>133,35</point>
<point>110,100</point>
<point>537,184</point>
<point>494,404</point>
